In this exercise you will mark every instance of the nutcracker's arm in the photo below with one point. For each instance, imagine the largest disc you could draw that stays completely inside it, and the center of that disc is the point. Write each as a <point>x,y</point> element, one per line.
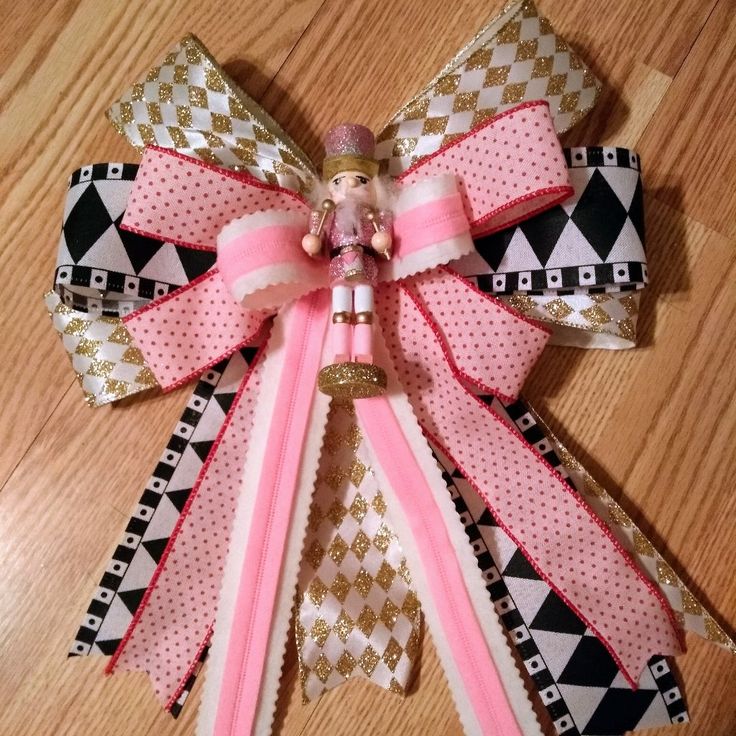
<point>382,238</point>
<point>312,241</point>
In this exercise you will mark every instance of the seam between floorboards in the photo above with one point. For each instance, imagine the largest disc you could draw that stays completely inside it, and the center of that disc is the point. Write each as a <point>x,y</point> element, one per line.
<point>33,441</point>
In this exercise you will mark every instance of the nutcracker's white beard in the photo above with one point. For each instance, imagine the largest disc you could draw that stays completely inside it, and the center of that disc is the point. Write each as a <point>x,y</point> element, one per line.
<point>380,194</point>
<point>350,212</point>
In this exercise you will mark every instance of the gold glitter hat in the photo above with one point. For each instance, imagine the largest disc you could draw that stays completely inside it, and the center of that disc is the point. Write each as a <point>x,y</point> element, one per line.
<point>349,147</point>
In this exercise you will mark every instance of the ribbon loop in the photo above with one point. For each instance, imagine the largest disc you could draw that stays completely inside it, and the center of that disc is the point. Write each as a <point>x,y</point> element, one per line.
<point>188,103</point>
<point>493,73</point>
<point>510,167</point>
<point>262,261</point>
<point>264,266</point>
<point>182,200</point>
<point>430,227</point>
<point>191,329</point>
<point>579,266</point>
<point>488,345</point>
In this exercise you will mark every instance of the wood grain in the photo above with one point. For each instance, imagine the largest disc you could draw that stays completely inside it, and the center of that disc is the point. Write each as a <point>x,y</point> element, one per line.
<point>655,425</point>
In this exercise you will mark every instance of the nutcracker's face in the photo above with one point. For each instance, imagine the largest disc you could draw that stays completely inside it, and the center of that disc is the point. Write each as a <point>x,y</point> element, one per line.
<point>353,185</point>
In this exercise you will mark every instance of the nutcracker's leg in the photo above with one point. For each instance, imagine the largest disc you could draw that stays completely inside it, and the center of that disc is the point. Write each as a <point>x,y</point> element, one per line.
<point>359,377</point>
<point>363,330</point>
<point>341,331</point>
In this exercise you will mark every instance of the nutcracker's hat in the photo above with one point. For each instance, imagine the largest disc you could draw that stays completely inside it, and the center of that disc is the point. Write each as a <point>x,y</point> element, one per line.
<point>349,147</point>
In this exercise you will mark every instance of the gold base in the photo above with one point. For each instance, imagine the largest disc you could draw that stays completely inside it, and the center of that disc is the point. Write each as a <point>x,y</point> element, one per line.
<point>352,380</point>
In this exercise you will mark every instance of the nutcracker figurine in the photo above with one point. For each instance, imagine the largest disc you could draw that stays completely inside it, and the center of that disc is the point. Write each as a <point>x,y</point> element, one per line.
<point>351,227</point>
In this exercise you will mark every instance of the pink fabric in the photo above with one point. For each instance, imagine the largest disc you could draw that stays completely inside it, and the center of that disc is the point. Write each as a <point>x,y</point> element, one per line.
<point>493,347</point>
<point>340,334</point>
<point>267,536</point>
<point>460,625</point>
<point>191,329</point>
<point>185,201</point>
<point>175,618</point>
<point>263,246</point>
<point>429,223</point>
<point>265,249</point>
<point>509,168</point>
<point>559,534</point>
<point>363,343</point>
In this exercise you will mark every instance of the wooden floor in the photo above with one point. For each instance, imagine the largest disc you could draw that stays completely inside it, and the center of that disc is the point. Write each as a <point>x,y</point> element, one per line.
<point>656,425</point>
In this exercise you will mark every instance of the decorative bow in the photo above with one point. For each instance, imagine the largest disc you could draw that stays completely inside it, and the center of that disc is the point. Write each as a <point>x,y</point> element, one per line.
<point>436,361</point>
<point>437,324</point>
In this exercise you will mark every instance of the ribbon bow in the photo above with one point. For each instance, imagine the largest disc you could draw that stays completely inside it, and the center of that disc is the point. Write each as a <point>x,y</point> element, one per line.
<point>444,342</point>
<point>442,337</point>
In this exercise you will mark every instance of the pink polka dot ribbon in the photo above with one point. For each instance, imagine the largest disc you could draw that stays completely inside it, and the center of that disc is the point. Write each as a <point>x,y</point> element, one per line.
<point>558,533</point>
<point>509,168</point>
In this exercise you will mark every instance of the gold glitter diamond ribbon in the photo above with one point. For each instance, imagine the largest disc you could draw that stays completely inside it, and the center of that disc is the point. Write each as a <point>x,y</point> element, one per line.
<point>190,104</point>
<point>515,58</point>
<point>358,613</point>
<point>107,365</point>
<point>690,613</point>
<point>584,320</point>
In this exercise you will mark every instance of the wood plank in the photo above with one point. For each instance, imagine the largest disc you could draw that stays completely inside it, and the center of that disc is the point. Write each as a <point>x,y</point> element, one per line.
<point>692,136</point>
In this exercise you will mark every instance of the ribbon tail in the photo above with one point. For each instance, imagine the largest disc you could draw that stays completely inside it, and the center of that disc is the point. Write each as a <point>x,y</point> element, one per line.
<point>559,534</point>
<point>173,623</point>
<point>649,559</point>
<point>266,542</point>
<point>489,696</point>
<point>359,614</point>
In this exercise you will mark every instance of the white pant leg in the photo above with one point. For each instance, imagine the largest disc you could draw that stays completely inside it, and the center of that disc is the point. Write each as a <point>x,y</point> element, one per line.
<point>363,298</point>
<point>342,298</point>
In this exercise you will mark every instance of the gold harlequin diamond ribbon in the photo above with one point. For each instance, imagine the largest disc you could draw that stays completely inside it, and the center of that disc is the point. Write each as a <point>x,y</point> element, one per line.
<point>107,365</point>
<point>515,58</point>
<point>358,614</point>
<point>584,319</point>
<point>189,103</point>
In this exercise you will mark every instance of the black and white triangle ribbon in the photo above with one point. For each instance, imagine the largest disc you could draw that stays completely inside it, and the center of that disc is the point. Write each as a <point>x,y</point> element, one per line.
<point>592,243</point>
<point>101,268</point>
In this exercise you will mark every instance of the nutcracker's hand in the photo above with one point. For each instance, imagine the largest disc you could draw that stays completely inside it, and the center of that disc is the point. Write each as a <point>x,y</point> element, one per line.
<point>381,243</point>
<point>312,244</point>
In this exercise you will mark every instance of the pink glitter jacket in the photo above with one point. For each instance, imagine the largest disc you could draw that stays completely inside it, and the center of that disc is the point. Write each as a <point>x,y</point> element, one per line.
<point>350,265</point>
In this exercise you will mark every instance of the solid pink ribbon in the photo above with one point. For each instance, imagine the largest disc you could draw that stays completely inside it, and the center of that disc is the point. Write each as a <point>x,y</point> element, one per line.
<point>467,338</point>
<point>248,638</point>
